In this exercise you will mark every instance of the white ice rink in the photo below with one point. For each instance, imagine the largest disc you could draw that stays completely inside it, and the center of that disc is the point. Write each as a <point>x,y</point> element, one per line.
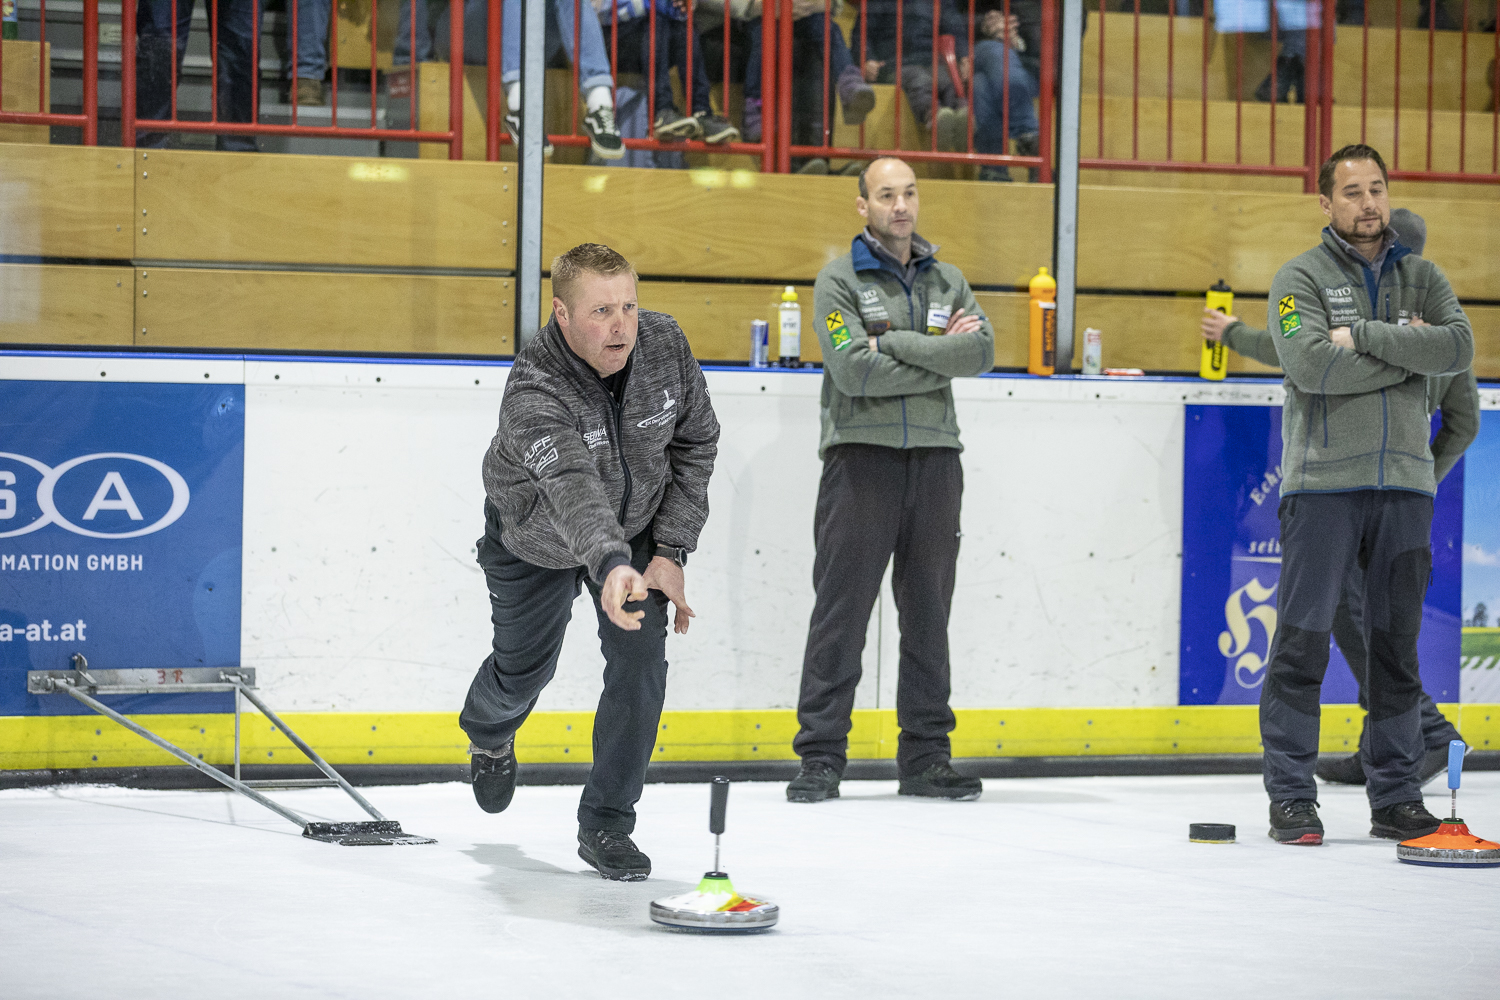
<point>1079,887</point>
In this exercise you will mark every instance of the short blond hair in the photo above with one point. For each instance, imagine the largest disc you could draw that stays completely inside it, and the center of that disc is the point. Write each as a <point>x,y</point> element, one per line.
<point>586,258</point>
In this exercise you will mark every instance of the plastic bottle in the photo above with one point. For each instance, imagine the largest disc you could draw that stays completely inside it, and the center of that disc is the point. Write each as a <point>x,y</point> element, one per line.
<point>1042,358</point>
<point>1093,351</point>
<point>760,342</point>
<point>10,24</point>
<point>1214,363</point>
<point>790,353</point>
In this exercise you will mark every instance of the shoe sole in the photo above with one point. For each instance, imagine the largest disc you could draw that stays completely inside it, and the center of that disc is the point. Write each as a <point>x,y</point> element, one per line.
<point>615,874</point>
<point>686,129</point>
<point>858,107</point>
<point>726,135</point>
<point>1304,838</point>
<point>951,796</point>
<point>1391,833</point>
<point>792,796</point>
<point>604,152</point>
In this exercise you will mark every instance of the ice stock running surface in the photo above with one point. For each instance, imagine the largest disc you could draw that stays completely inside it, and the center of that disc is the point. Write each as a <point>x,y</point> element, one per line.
<point>1079,887</point>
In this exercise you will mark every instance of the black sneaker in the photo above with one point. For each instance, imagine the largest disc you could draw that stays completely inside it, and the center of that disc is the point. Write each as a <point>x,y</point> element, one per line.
<point>493,773</point>
<point>604,136</point>
<point>1295,821</point>
<point>1403,821</point>
<point>672,124</point>
<point>513,126</point>
<point>1341,771</point>
<point>940,781</point>
<point>613,855</point>
<point>715,129</point>
<point>816,781</point>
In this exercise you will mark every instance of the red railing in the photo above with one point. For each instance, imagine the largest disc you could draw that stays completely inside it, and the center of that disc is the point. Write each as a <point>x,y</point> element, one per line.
<point>942,64</point>
<point>1335,108</point>
<point>88,119</point>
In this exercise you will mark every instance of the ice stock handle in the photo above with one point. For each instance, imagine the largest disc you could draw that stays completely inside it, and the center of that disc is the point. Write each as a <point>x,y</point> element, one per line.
<point>718,804</point>
<point>1456,750</point>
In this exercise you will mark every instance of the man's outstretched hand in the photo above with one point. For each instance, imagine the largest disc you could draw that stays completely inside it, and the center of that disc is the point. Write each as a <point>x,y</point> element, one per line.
<point>623,584</point>
<point>666,576</point>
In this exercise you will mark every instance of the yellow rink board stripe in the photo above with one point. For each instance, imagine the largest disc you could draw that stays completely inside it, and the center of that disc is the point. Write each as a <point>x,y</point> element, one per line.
<point>75,741</point>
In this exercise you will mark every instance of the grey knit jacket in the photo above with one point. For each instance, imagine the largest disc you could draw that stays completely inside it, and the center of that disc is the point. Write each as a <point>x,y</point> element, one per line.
<point>1356,420</point>
<point>574,476</point>
<point>1456,395</point>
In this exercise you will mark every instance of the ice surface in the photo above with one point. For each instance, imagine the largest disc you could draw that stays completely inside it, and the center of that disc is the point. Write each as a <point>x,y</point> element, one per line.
<point>1079,887</point>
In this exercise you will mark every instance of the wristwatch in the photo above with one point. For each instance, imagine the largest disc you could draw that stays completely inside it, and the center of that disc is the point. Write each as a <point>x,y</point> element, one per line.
<point>672,552</point>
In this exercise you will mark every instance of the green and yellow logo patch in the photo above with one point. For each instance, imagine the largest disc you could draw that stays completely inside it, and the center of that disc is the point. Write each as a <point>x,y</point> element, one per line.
<point>1290,324</point>
<point>834,320</point>
<point>1286,306</point>
<point>840,338</point>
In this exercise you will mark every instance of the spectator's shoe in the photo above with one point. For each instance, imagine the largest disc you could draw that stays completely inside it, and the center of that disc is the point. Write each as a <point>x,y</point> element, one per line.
<point>493,773</point>
<point>714,129</point>
<point>1295,821</point>
<point>816,781</point>
<point>613,855</point>
<point>1342,771</point>
<point>953,129</point>
<point>940,781</point>
<point>751,121</point>
<point>671,125</point>
<point>989,172</point>
<point>604,137</point>
<point>1403,821</point>
<point>816,166</point>
<point>513,126</point>
<point>1289,77</point>
<point>309,92</point>
<point>857,97</point>
<point>1030,145</point>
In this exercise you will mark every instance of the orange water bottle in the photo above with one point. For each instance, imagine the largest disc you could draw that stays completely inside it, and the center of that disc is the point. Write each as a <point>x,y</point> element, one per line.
<point>1042,357</point>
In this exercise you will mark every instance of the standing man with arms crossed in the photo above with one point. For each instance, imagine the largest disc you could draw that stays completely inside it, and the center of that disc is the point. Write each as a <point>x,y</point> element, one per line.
<point>896,326</point>
<point>597,476</point>
<point>1361,324</point>
<point>1457,396</point>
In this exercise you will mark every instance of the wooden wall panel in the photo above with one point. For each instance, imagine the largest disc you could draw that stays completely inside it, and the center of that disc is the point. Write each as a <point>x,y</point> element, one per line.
<point>273,208</point>
<point>738,224</point>
<point>62,304</point>
<point>65,201</point>
<point>291,310</point>
<point>22,75</point>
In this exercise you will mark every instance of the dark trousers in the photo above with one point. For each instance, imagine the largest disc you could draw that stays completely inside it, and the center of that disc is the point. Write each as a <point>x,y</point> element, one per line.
<point>873,503</point>
<point>1348,632</point>
<point>1387,534</point>
<point>530,607</point>
<point>237,79</point>
<point>671,53</point>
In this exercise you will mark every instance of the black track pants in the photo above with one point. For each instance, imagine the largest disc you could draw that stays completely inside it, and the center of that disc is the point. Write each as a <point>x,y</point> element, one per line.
<point>873,503</point>
<point>1387,534</point>
<point>530,607</point>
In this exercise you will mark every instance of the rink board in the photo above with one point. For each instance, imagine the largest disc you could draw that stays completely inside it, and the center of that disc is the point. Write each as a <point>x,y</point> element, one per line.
<point>365,614</point>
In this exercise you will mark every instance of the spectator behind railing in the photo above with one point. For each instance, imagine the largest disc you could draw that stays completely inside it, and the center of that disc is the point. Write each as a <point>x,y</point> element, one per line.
<point>855,95</point>
<point>671,52</point>
<point>310,64</point>
<point>1293,18</point>
<point>232,64</point>
<point>993,66</point>
<point>916,62</point>
<point>594,80</point>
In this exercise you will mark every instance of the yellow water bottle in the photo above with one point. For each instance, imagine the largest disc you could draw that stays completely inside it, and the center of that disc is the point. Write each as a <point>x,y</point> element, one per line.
<point>1042,357</point>
<point>1214,363</point>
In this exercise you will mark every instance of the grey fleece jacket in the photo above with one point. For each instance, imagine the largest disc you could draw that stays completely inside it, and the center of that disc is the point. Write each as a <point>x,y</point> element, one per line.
<point>1358,420</point>
<point>1456,395</point>
<point>897,395</point>
<point>575,475</point>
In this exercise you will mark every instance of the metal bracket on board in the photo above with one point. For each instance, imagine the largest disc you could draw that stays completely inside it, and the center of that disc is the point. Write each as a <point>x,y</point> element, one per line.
<point>84,685</point>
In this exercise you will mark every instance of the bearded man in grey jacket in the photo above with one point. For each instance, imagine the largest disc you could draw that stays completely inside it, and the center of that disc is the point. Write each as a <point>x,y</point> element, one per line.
<point>598,477</point>
<point>1361,325</point>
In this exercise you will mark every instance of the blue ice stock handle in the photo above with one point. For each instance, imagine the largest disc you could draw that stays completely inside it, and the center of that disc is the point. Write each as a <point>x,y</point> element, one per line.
<point>1456,750</point>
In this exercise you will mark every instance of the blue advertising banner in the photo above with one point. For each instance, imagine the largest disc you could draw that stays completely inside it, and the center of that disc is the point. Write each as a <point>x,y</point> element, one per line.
<point>120,532</point>
<point>1231,564</point>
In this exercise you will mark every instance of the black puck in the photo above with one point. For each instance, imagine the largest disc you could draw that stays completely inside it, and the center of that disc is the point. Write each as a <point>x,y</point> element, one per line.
<point>1211,833</point>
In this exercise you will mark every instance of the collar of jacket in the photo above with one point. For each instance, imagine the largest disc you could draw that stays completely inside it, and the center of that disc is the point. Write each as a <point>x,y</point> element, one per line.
<point>1341,251</point>
<point>864,259</point>
<point>552,339</point>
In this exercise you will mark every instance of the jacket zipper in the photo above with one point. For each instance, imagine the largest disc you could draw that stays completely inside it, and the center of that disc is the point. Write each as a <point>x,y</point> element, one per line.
<point>619,409</point>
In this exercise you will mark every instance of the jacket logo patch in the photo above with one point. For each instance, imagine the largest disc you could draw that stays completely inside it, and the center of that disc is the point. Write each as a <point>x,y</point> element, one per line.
<point>540,454</point>
<point>665,415</point>
<point>869,296</point>
<point>1286,306</point>
<point>840,338</point>
<point>596,437</point>
<point>1291,323</point>
<point>834,320</point>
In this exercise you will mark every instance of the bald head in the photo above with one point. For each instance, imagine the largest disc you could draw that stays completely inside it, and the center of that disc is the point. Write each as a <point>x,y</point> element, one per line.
<point>888,201</point>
